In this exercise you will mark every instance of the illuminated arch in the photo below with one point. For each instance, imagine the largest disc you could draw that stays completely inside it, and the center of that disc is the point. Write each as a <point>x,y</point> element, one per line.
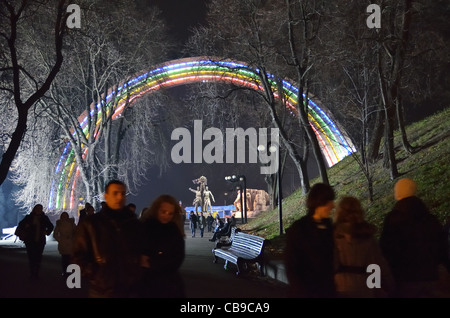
<point>334,144</point>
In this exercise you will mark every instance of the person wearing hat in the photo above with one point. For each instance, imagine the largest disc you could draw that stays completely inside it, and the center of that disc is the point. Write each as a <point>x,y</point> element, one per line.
<point>412,242</point>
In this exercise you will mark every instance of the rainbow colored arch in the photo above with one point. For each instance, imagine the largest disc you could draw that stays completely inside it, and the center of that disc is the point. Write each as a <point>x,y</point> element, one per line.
<point>335,145</point>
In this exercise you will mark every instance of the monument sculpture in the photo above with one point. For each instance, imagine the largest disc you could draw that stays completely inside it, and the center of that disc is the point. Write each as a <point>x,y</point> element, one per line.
<point>257,201</point>
<point>198,199</point>
<point>203,195</point>
<point>207,196</point>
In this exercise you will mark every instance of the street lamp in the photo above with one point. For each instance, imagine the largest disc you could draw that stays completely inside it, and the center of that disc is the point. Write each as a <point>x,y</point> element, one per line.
<point>243,184</point>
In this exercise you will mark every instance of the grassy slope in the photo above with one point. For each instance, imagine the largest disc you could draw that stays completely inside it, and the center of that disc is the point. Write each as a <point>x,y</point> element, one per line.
<point>428,167</point>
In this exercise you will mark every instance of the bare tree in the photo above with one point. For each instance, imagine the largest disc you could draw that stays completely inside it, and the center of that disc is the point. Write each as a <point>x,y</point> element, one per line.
<point>348,78</point>
<point>99,71</point>
<point>13,24</point>
<point>303,22</point>
<point>266,43</point>
<point>95,75</point>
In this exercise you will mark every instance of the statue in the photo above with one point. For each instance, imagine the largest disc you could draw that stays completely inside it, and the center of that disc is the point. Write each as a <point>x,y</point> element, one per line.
<point>198,199</point>
<point>202,181</point>
<point>207,195</point>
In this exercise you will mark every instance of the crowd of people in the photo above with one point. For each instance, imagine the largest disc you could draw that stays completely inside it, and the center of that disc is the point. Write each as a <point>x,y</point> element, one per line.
<point>197,220</point>
<point>119,253</point>
<point>125,255</point>
<point>327,258</point>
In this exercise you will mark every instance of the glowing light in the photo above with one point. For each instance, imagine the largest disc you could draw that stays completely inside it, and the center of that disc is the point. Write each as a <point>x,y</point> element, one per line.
<point>181,72</point>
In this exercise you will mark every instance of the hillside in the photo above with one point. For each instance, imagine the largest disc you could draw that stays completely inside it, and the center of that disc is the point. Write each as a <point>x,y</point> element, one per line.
<point>428,166</point>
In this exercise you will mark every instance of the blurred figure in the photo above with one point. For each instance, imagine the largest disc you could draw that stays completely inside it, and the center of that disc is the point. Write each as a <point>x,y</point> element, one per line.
<point>32,230</point>
<point>355,249</point>
<point>233,220</point>
<point>219,223</point>
<point>413,243</point>
<point>193,222</point>
<point>309,247</point>
<point>107,246</point>
<point>141,215</point>
<point>222,231</point>
<point>201,223</point>
<point>209,221</point>
<point>64,233</point>
<point>132,208</point>
<point>84,211</point>
<point>90,210</point>
<point>164,249</point>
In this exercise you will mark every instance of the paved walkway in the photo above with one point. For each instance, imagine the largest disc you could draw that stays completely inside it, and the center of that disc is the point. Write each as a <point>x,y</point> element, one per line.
<point>203,278</point>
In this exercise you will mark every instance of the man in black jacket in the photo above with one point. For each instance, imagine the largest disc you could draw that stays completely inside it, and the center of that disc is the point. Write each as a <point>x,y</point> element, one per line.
<point>310,247</point>
<point>413,243</point>
<point>107,246</point>
<point>33,229</point>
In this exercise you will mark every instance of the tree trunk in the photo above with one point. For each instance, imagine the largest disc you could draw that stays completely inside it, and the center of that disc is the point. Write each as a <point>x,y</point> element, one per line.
<point>375,138</point>
<point>21,107</point>
<point>14,144</point>
<point>300,64</point>
<point>401,125</point>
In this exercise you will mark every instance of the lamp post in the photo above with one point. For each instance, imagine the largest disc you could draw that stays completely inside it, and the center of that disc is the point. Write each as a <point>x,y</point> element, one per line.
<point>243,184</point>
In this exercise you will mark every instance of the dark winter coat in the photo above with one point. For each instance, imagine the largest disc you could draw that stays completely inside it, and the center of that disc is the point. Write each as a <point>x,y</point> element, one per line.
<point>34,228</point>
<point>108,247</point>
<point>309,258</point>
<point>412,242</point>
<point>164,245</point>
<point>355,249</point>
<point>193,219</point>
<point>64,233</point>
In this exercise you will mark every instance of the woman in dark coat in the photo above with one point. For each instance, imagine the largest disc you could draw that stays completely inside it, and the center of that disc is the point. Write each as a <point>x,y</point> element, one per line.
<point>164,249</point>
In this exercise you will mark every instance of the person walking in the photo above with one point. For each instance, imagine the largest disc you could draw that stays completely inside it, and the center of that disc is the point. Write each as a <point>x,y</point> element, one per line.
<point>413,243</point>
<point>107,247</point>
<point>309,247</point>
<point>163,249</point>
<point>193,222</point>
<point>201,223</point>
<point>33,230</point>
<point>209,221</point>
<point>355,249</point>
<point>64,233</point>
